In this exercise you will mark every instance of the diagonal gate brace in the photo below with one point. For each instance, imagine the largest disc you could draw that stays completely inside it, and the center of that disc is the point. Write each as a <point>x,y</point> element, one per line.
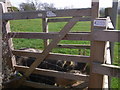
<point>46,51</point>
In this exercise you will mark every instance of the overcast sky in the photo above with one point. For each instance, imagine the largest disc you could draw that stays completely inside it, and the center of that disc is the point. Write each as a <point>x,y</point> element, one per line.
<point>68,3</point>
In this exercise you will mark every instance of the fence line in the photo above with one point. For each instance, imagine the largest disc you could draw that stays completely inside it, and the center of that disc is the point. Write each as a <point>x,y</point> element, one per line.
<point>98,36</point>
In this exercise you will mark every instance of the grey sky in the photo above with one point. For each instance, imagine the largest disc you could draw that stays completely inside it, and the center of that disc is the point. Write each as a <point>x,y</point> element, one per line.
<point>72,3</point>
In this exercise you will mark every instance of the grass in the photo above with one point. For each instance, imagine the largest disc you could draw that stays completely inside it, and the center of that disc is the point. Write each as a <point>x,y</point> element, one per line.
<point>116,81</point>
<point>36,26</point>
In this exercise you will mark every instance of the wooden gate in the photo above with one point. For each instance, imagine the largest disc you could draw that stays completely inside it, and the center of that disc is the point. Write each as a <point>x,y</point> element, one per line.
<point>99,37</point>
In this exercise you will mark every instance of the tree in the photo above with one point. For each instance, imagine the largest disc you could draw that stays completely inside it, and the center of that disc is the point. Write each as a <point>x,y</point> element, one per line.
<point>46,6</point>
<point>35,5</point>
<point>15,9</point>
<point>102,12</point>
<point>27,6</point>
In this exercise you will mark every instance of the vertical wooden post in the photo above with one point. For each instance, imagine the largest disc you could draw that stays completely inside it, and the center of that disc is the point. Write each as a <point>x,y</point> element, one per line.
<point>6,28</point>
<point>94,12</point>
<point>113,16</point>
<point>97,52</point>
<point>107,79</point>
<point>45,29</point>
<point>1,46</point>
<point>108,11</point>
<point>112,12</point>
<point>97,55</point>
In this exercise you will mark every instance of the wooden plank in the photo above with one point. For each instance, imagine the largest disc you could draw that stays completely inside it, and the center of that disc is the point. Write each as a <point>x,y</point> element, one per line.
<point>1,59</point>
<point>46,51</point>
<point>105,78</point>
<point>108,12</point>
<point>45,29</point>
<point>73,12</point>
<point>59,20</point>
<point>73,46</point>
<point>97,51</point>
<point>107,35</point>
<point>31,35</point>
<point>113,15</point>
<point>94,12</point>
<point>22,15</point>
<point>107,53</point>
<point>53,56</point>
<point>69,36</point>
<point>38,85</point>
<point>97,54</point>
<point>11,83</point>
<point>53,43</point>
<point>106,69</point>
<point>82,86</point>
<point>39,14</point>
<point>34,85</point>
<point>106,82</point>
<point>67,19</point>
<point>54,73</point>
<point>9,47</point>
<point>9,56</point>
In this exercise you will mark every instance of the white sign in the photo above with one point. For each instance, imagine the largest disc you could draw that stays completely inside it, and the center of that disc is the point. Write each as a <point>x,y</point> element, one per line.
<point>100,23</point>
<point>50,14</point>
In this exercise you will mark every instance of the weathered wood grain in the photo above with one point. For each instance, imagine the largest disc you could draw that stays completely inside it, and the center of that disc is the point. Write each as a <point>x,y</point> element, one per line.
<point>38,85</point>
<point>97,51</point>
<point>53,56</point>
<point>68,19</point>
<point>107,35</point>
<point>39,14</point>
<point>73,46</point>
<point>6,29</point>
<point>52,45</point>
<point>69,36</point>
<point>106,69</point>
<point>54,73</point>
<point>1,59</point>
<point>45,28</point>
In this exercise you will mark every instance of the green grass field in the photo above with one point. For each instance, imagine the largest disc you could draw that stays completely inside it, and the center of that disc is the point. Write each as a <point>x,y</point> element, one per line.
<point>116,81</point>
<point>36,26</point>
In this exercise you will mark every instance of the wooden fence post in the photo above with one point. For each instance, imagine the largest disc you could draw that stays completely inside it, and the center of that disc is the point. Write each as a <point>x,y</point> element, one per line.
<point>112,12</point>
<point>94,12</point>
<point>113,16</point>
<point>97,51</point>
<point>45,28</point>
<point>1,46</point>
<point>8,47</point>
<point>97,55</point>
